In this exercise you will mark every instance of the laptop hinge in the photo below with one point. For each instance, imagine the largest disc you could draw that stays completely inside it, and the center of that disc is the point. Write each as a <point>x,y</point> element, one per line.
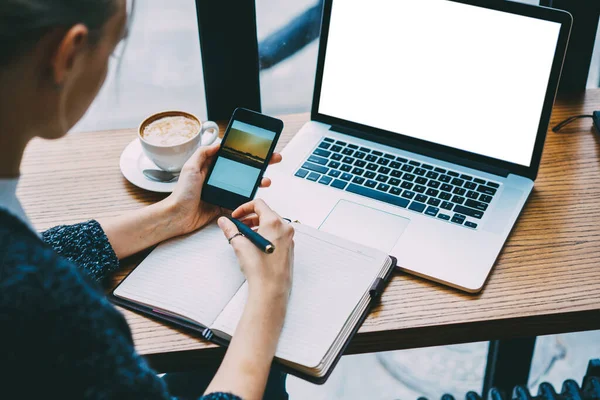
<point>420,150</point>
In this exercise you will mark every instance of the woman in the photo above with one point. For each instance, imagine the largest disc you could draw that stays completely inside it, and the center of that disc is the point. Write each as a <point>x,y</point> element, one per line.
<point>60,337</point>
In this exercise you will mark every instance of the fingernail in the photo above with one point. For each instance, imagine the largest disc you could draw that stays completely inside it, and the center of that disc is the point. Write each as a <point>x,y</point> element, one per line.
<point>221,221</point>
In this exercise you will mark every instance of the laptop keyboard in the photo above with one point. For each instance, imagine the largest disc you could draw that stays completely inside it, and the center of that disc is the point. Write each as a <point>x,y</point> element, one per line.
<point>423,188</point>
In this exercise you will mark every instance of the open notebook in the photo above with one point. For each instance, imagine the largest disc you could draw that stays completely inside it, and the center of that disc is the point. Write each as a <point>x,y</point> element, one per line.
<point>196,281</point>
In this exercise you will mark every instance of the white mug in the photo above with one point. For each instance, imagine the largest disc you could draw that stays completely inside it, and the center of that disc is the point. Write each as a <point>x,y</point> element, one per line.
<point>171,158</point>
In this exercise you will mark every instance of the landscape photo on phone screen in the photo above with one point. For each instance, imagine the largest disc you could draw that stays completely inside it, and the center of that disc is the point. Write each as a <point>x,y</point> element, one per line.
<point>241,158</point>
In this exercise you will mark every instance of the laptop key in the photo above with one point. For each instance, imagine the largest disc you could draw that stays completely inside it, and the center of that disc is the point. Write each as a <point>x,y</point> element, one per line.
<point>365,150</point>
<point>348,151</point>
<point>458,199</point>
<point>377,153</point>
<point>452,173</point>
<point>390,156</point>
<point>447,188</point>
<point>476,205</point>
<point>347,177</point>
<point>420,171</point>
<point>480,181</point>
<point>358,171</point>
<point>348,160</point>
<point>377,195</point>
<point>433,211</point>
<point>372,167</point>
<point>457,182</point>
<point>420,189</point>
<point>408,177</point>
<point>416,206</point>
<point>445,196</point>
<point>334,172</point>
<point>468,211</point>
<point>466,177</point>
<point>459,191</point>
<point>458,219</point>
<point>358,180</point>
<point>325,180</point>
<point>432,192</point>
<point>407,185</point>
<point>440,170</point>
<point>433,202</point>
<point>445,178</point>
<point>318,160</point>
<point>421,181</point>
<point>346,168</point>
<point>313,176</point>
<point>328,139</point>
<point>444,217</point>
<point>485,198</point>
<point>338,184</point>
<point>486,190</point>
<point>322,153</point>
<point>408,194</point>
<point>446,205</point>
<point>415,163</point>
<point>325,146</point>
<point>341,143</point>
<point>383,161</point>
<point>360,155</point>
<point>394,182</point>
<point>470,225</point>
<point>315,168</point>
<point>493,184</point>
<point>301,173</point>
<point>401,159</point>
<point>427,166</point>
<point>371,158</point>
<point>397,174</point>
<point>432,175</point>
<point>353,146</point>
<point>384,170</point>
<point>470,185</point>
<point>383,187</point>
<point>434,184</point>
<point>336,148</point>
<point>334,164</point>
<point>395,191</point>
<point>395,165</point>
<point>421,198</point>
<point>360,163</point>
<point>336,156</point>
<point>370,183</point>
<point>381,178</point>
<point>407,168</point>
<point>472,195</point>
<point>370,174</point>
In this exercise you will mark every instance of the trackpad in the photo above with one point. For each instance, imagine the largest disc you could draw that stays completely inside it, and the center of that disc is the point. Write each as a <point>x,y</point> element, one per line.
<point>365,225</point>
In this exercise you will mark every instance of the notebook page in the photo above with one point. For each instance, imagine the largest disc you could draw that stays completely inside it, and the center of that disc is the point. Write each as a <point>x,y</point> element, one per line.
<point>331,275</point>
<point>193,276</point>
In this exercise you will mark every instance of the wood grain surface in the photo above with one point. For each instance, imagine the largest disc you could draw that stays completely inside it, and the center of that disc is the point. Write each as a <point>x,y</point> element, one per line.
<point>546,280</point>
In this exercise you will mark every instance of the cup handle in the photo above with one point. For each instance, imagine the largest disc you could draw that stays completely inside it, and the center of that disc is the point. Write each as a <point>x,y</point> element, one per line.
<point>209,126</point>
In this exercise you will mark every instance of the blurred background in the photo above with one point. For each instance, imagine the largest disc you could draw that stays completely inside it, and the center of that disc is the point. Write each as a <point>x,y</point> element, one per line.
<point>161,68</point>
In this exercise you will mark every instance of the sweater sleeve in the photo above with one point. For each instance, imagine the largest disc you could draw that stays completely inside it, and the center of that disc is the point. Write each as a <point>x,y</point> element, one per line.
<point>86,245</point>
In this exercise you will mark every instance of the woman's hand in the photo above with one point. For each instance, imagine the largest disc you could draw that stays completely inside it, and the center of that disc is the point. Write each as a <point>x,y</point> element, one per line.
<point>266,273</point>
<point>189,212</point>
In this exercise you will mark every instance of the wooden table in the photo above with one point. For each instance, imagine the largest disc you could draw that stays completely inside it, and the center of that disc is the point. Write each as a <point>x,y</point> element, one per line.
<point>547,279</point>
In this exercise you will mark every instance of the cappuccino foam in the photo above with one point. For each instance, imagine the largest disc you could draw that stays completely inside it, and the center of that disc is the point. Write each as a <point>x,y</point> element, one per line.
<point>170,131</point>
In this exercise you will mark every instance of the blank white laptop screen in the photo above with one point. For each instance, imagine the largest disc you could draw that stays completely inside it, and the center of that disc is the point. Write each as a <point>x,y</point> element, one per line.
<point>453,74</point>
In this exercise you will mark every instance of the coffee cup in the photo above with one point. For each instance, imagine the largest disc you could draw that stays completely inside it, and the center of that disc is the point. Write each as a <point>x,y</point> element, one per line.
<point>170,138</point>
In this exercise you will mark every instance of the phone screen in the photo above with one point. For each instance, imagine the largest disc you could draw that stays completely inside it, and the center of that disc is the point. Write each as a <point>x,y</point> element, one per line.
<point>241,158</point>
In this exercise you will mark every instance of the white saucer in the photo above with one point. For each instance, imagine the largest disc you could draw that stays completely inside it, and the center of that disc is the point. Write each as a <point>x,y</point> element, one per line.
<point>134,161</point>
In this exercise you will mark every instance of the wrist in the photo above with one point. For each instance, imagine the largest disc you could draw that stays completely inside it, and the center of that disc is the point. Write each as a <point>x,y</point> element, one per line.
<point>167,219</point>
<point>268,292</point>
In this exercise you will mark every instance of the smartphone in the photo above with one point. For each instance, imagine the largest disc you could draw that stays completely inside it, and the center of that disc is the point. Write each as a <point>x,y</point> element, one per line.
<point>246,149</point>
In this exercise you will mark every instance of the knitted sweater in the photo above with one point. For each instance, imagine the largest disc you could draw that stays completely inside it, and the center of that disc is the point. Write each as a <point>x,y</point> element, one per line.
<point>59,335</point>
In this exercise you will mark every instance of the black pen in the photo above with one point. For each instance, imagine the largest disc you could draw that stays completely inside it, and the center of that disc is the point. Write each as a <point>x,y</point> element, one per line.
<point>253,236</point>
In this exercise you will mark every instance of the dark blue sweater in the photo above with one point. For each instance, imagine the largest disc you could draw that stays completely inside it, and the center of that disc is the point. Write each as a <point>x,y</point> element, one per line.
<point>59,335</point>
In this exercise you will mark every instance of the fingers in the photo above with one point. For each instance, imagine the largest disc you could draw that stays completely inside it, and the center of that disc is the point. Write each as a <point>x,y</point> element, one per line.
<point>275,159</point>
<point>265,183</point>
<point>229,230</point>
<point>200,157</point>
<point>258,207</point>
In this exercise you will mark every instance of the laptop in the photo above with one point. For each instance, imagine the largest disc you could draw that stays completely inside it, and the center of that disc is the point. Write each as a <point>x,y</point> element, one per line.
<point>427,128</point>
